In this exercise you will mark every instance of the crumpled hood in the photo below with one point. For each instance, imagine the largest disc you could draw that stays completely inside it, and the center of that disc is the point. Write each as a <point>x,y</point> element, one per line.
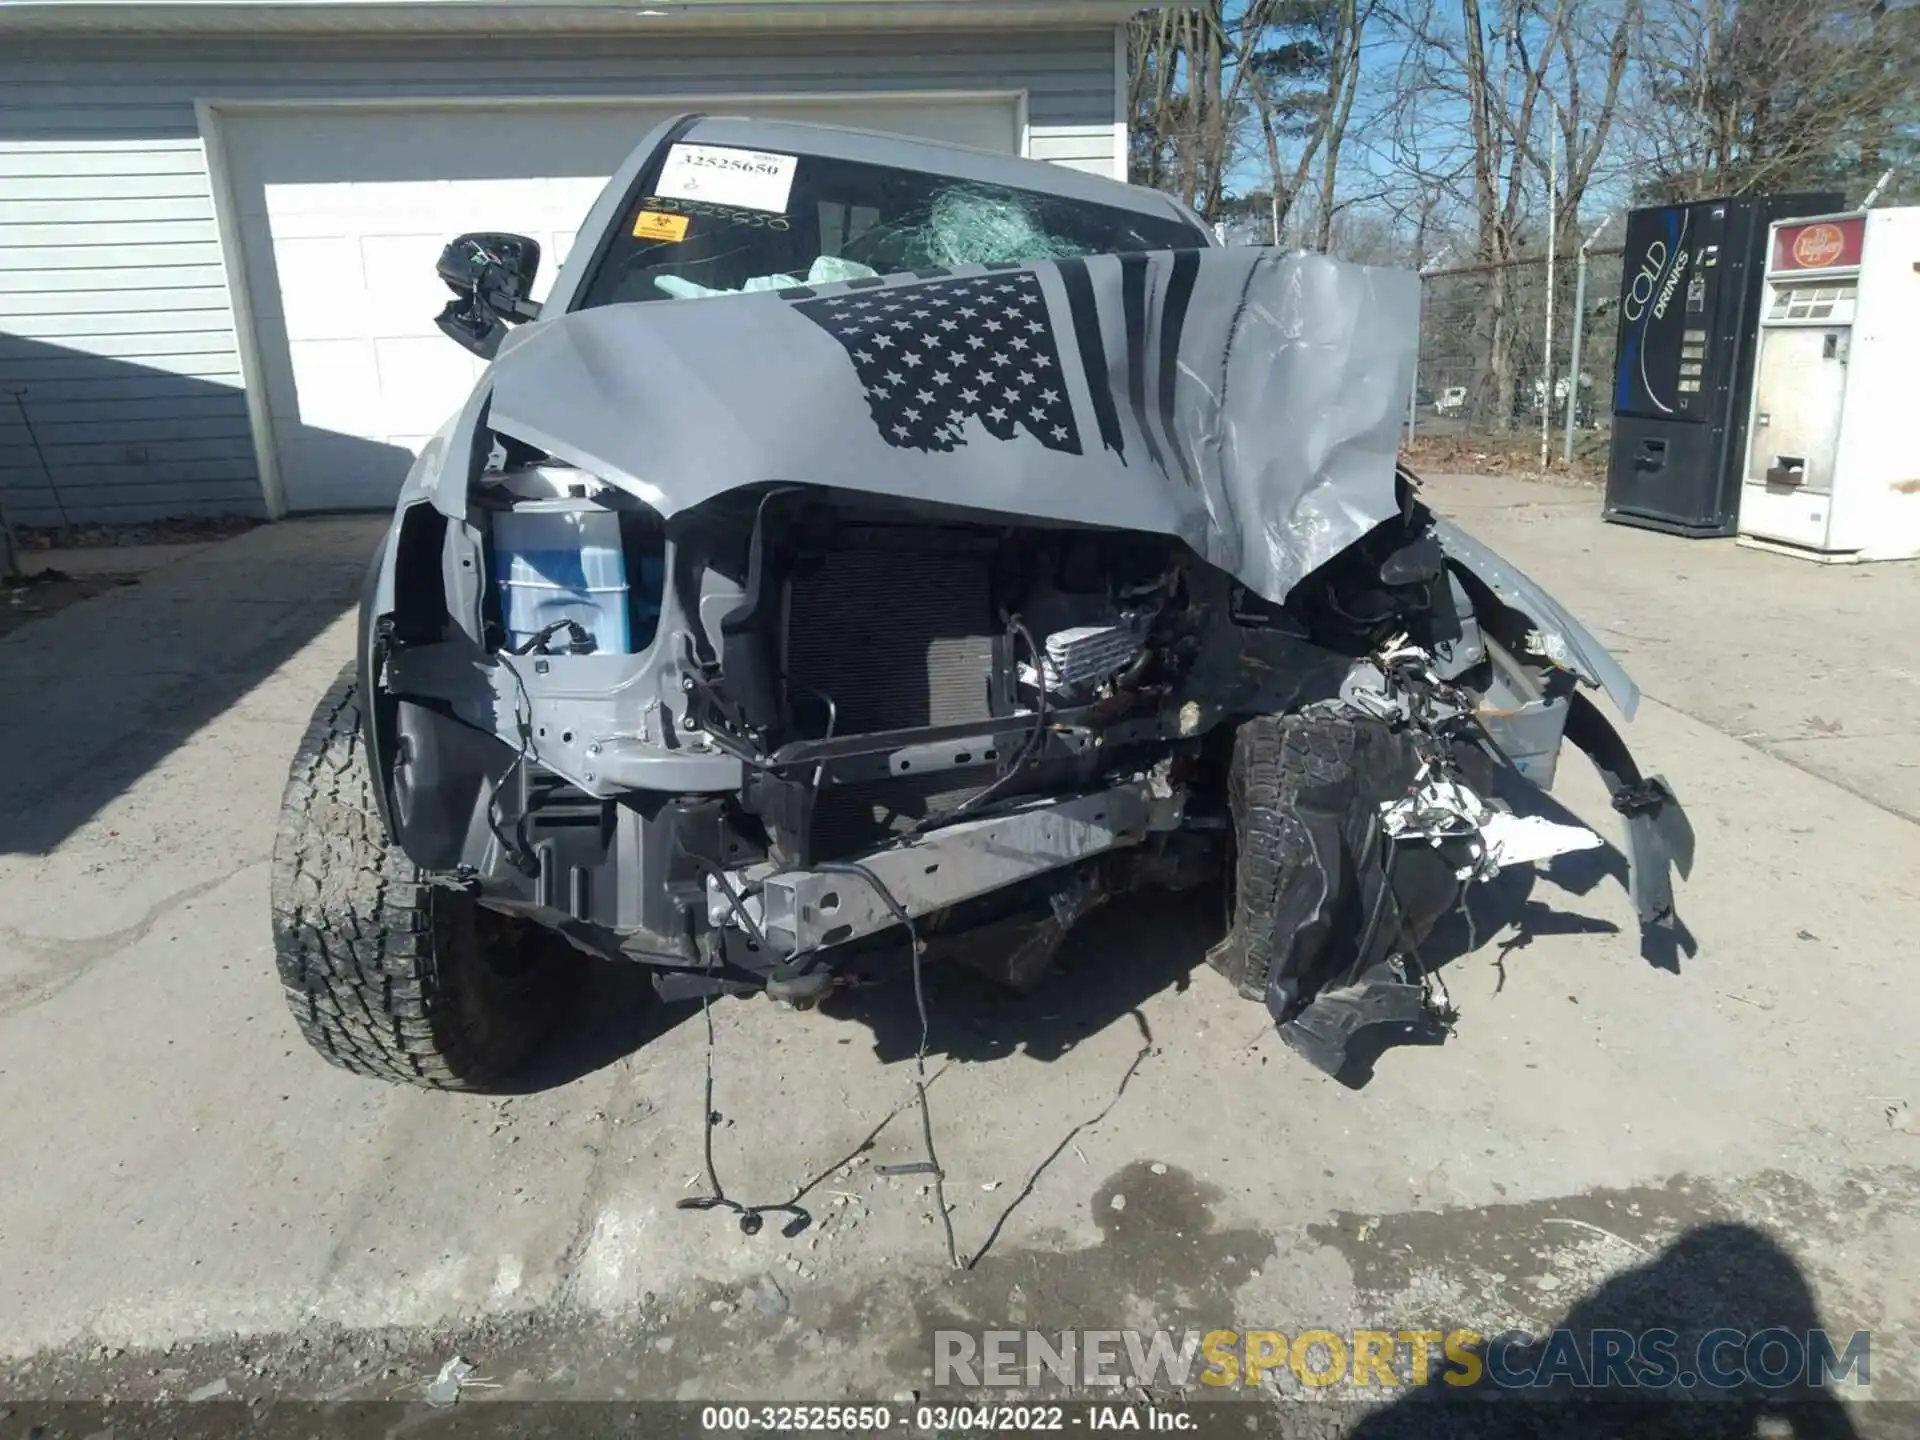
<point>1242,400</point>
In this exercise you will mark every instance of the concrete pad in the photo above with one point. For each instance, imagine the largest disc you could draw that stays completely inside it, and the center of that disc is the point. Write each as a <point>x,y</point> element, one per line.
<point>110,559</point>
<point>94,697</point>
<point>1884,768</point>
<point>1612,1128</point>
<point>1779,653</point>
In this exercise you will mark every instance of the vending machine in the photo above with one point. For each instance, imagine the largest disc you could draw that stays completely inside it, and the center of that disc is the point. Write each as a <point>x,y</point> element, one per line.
<point>1832,466</point>
<point>1683,370</point>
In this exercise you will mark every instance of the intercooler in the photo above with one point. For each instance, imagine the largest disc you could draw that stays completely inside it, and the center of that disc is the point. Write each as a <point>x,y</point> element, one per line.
<point>898,635</point>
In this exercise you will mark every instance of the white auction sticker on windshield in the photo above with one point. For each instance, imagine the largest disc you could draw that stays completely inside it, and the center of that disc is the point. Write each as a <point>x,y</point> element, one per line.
<point>722,175</point>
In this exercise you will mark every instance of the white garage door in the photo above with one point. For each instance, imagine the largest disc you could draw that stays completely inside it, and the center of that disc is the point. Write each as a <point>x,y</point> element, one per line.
<point>342,213</point>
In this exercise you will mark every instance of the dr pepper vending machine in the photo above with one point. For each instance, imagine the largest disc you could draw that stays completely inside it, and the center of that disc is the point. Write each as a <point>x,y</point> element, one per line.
<point>1832,464</point>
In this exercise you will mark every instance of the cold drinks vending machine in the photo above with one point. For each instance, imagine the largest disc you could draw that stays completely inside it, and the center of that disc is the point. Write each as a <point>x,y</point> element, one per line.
<point>1688,301</point>
<point>1833,438</point>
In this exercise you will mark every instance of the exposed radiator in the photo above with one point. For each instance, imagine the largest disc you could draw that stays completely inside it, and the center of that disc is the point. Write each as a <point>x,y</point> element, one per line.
<point>898,638</point>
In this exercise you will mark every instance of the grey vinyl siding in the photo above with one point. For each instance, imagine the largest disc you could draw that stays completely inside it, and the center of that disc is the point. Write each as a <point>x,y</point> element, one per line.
<point>119,384</point>
<point>116,330</point>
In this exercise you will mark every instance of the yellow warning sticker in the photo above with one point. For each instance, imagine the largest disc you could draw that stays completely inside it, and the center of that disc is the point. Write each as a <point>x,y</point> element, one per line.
<point>659,225</point>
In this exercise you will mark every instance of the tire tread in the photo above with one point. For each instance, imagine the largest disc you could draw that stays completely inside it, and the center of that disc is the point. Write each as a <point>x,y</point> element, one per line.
<point>376,960</point>
<point>1275,758</point>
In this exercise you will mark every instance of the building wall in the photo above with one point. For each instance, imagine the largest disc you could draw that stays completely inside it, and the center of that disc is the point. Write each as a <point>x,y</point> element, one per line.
<point>120,388</point>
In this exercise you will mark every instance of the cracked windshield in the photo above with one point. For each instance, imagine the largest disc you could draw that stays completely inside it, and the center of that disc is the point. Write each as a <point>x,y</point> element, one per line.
<point>812,220</point>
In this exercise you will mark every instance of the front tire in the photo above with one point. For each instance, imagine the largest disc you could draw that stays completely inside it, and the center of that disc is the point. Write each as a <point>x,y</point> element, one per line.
<point>388,973</point>
<point>1287,788</point>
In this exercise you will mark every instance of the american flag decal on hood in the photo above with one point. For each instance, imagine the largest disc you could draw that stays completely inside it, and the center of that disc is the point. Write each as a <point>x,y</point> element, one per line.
<point>934,355</point>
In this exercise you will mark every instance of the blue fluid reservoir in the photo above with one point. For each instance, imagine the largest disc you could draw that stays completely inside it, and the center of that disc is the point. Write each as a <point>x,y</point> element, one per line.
<point>563,559</point>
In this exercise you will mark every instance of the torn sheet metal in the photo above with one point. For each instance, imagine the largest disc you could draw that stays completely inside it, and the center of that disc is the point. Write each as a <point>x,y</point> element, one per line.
<point>1438,807</point>
<point>1244,401</point>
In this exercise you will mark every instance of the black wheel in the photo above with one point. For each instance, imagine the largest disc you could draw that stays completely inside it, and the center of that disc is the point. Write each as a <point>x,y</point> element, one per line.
<point>387,973</point>
<point>1287,773</point>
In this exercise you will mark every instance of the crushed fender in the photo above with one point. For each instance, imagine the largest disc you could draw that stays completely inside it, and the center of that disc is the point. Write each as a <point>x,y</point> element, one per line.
<point>1399,839</point>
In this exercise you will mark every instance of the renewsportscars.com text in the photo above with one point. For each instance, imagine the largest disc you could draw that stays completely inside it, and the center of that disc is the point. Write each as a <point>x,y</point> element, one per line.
<point>1722,1359</point>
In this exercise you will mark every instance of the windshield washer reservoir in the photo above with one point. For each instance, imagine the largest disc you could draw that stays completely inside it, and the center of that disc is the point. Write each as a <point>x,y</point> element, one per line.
<point>562,559</point>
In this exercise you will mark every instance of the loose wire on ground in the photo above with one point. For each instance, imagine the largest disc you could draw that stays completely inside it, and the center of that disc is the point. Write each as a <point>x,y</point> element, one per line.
<point>750,1215</point>
<point>932,1162</point>
<point>716,1197</point>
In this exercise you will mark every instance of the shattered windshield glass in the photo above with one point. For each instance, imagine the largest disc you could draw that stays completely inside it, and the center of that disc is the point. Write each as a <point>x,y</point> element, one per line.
<point>714,224</point>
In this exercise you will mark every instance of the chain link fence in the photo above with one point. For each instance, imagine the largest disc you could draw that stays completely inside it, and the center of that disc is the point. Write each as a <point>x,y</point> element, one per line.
<point>1498,372</point>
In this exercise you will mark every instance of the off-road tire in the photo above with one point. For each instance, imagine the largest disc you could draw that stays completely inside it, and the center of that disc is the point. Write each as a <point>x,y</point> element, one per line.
<point>1275,757</point>
<point>389,974</point>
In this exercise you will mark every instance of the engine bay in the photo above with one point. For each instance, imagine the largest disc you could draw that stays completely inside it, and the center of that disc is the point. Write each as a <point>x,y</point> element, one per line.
<point>750,744</point>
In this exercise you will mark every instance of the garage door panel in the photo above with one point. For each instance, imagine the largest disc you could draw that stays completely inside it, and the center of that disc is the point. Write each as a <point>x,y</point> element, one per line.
<point>470,205</point>
<point>420,383</point>
<point>403,293</point>
<point>336,384</point>
<point>387,260</point>
<point>433,146</point>
<point>322,287</point>
<point>342,213</point>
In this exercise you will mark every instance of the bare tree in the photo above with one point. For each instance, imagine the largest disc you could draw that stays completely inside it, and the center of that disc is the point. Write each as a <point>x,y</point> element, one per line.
<point>1584,91</point>
<point>1466,127</point>
<point>1304,73</point>
<point>1538,84</point>
<point>1741,96</point>
<point>1287,115</point>
<point>1343,85</point>
<point>1210,82</point>
<point>1188,96</point>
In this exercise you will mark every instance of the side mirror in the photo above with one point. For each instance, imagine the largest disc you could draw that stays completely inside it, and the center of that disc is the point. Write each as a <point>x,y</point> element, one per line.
<point>491,276</point>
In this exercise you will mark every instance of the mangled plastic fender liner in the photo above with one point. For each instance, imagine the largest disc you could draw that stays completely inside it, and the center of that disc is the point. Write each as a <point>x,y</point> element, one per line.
<point>1659,837</point>
<point>1567,642</point>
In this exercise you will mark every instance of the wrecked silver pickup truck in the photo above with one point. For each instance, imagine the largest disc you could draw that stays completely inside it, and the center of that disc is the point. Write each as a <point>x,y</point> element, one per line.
<point>873,549</point>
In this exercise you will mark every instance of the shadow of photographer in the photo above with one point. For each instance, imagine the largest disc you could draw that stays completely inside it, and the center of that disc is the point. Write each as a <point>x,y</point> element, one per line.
<point>1717,1337</point>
